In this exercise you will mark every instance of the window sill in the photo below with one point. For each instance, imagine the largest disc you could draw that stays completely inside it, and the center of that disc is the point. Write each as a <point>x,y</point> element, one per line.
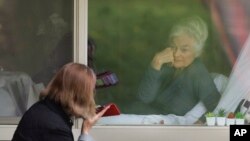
<point>145,133</point>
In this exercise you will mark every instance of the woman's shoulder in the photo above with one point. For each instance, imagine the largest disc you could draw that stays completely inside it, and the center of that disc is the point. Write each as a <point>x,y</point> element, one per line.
<point>40,115</point>
<point>198,67</point>
<point>198,72</point>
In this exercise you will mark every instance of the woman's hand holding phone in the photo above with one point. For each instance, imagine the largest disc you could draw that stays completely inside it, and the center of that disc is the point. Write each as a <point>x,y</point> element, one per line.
<point>88,123</point>
<point>112,111</point>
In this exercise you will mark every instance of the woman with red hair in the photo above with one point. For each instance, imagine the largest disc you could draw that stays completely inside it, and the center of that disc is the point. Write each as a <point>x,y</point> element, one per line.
<point>69,94</point>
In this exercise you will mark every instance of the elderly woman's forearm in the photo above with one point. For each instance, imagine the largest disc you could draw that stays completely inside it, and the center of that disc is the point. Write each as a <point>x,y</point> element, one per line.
<point>149,86</point>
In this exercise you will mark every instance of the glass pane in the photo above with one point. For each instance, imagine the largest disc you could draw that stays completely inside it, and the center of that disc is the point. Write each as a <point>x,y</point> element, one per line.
<point>35,40</point>
<point>128,35</point>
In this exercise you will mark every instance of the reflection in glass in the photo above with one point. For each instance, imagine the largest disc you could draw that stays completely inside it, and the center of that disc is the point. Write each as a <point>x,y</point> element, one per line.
<point>34,42</point>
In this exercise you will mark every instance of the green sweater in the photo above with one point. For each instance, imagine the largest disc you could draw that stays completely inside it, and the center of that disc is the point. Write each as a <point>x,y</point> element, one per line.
<point>172,91</point>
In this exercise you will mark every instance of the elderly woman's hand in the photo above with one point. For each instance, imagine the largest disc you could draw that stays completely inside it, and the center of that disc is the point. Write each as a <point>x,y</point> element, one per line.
<point>165,56</point>
<point>88,123</point>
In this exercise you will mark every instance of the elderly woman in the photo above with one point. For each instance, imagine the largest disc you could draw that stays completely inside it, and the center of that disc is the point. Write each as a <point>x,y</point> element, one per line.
<point>177,79</point>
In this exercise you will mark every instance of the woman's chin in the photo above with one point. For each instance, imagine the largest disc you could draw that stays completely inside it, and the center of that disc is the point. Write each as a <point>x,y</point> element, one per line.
<point>178,66</point>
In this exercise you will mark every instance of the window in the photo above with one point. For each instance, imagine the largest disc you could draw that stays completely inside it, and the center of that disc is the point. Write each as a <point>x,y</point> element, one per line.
<point>36,38</point>
<point>128,34</point>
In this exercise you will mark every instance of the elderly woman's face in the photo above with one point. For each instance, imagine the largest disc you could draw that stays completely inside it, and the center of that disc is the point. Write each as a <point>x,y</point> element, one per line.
<point>184,53</point>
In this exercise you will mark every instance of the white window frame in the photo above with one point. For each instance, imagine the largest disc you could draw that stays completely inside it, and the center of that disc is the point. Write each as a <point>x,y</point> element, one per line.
<point>80,31</point>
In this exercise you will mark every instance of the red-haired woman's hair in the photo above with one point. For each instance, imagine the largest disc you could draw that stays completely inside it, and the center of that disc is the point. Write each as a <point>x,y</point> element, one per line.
<point>72,85</point>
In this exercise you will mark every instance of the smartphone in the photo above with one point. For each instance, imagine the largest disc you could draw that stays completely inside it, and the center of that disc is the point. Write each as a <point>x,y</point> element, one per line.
<point>112,111</point>
<point>106,79</point>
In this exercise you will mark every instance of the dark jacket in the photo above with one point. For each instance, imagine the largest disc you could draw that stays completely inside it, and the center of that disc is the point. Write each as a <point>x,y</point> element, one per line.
<point>44,121</point>
<point>177,92</point>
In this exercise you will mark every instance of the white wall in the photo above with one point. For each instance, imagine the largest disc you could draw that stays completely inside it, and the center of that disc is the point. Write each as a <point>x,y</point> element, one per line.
<point>144,133</point>
<point>160,133</point>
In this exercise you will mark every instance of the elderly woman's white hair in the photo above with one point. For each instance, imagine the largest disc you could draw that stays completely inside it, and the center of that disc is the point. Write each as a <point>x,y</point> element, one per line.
<point>196,28</point>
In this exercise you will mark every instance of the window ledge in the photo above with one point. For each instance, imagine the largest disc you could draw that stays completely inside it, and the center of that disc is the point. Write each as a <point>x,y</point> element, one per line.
<point>145,133</point>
